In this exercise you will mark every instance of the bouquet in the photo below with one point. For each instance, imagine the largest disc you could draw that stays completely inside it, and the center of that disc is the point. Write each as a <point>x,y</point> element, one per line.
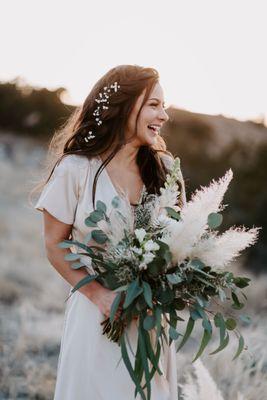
<point>161,259</point>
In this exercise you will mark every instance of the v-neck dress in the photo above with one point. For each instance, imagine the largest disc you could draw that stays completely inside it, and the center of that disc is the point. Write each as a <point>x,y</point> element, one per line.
<point>90,365</point>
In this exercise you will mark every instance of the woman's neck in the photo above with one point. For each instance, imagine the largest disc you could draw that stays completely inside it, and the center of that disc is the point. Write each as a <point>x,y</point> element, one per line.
<point>124,158</point>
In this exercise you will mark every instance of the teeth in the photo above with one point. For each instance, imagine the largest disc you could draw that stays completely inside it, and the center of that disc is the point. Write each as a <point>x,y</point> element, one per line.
<point>154,127</point>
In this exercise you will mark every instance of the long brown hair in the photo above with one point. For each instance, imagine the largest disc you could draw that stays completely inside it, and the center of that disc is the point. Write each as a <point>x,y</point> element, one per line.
<point>133,79</point>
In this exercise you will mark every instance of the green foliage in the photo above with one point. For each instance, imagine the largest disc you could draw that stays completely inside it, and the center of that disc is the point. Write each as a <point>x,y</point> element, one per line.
<point>31,111</point>
<point>149,322</point>
<point>83,282</point>
<point>115,306</point>
<point>72,257</point>
<point>172,213</point>
<point>173,333</point>
<point>215,220</point>
<point>230,324</point>
<point>241,344</point>
<point>147,293</point>
<point>115,202</point>
<point>100,206</point>
<point>188,331</point>
<point>132,292</point>
<point>99,236</point>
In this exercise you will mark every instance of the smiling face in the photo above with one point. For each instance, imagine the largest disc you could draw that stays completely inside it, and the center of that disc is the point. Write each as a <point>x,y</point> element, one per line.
<point>151,118</point>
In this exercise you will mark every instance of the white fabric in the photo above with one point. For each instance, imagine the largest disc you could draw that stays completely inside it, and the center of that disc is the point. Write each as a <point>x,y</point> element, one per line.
<point>87,365</point>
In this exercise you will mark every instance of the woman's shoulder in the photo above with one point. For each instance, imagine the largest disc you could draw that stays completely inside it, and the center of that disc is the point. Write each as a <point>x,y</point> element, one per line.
<point>69,160</point>
<point>75,163</point>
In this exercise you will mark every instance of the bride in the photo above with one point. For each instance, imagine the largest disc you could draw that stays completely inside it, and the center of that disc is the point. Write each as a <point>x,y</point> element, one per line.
<point>111,145</point>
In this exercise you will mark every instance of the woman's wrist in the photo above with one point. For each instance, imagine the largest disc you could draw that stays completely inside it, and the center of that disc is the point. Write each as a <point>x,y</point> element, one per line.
<point>92,290</point>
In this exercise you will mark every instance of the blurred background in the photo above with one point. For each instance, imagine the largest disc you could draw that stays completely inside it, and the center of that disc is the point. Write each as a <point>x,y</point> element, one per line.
<point>212,61</point>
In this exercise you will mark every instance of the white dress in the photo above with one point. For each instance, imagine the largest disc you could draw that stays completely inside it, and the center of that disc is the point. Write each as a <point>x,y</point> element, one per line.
<point>89,365</point>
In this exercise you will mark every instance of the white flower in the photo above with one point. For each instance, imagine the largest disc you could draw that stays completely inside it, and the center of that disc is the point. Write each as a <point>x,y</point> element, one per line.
<point>220,250</point>
<point>150,245</point>
<point>182,235</point>
<point>142,266</point>
<point>162,219</point>
<point>148,257</point>
<point>140,234</point>
<point>137,250</point>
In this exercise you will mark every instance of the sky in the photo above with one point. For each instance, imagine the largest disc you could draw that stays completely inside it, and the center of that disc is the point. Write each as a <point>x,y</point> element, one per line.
<point>211,54</point>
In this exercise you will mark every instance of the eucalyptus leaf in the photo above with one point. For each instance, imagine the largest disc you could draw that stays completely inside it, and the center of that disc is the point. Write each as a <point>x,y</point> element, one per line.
<point>214,220</point>
<point>174,279</point>
<point>172,213</point>
<point>96,216</point>
<point>129,367</point>
<point>121,288</point>
<point>154,358</point>
<point>66,244</point>
<point>207,325</point>
<point>245,318</point>
<point>147,293</point>
<point>240,348</point>
<point>84,281</point>
<point>241,282</point>
<point>205,340</point>
<point>220,323</point>
<point>100,206</point>
<point>99,236</point>
<point>89,222</point>
<point>194,314</point>
<point>72,256</point>
<point>230,324</point>
<point>115,202</point>
<point>133,291</point>
<point>88,236</point>
<point>173,333</point>
<point>158,314</point>
<point>237,305</point>
<point>223,343</point>
<point>149,322</point>
<point>77,265</point>
<point>201,301</point>
<point>188,331</point>
<point>143,355</point>
<point>114,307</point>
<point>197,263</point>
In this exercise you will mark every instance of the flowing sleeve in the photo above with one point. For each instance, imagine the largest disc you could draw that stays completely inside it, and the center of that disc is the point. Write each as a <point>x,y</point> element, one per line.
<point>168,162</point>
<point>60,194</point>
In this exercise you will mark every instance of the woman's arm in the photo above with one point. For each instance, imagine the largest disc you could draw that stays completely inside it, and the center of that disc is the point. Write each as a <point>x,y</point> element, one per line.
<point>57,231</point>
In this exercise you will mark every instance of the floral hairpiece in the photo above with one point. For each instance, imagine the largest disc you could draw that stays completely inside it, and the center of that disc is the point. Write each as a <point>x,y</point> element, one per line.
<point>103,98</point>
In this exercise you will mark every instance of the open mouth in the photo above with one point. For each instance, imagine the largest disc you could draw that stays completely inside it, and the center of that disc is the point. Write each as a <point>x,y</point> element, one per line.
<point>154,128</point>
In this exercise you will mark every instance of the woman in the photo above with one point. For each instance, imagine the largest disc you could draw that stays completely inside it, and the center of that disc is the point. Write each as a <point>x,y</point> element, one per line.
<point>110,146</point>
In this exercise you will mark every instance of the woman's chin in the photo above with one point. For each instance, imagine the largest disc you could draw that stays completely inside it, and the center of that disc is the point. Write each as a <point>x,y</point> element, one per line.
<point>148,139</point>
<point>151,140</point>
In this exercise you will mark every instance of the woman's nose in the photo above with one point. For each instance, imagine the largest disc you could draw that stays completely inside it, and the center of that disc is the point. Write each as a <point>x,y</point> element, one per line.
<point>164,116</point>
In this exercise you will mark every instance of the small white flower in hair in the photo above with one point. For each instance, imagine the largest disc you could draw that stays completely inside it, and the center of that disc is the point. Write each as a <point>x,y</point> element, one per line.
<point>103,98</point>
<point>90,136</point>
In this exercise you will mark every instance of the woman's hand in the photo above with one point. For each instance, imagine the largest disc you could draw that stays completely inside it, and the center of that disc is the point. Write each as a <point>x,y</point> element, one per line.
<point>103,299</point>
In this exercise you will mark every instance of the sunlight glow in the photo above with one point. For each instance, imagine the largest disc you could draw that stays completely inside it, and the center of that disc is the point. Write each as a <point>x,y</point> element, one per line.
<point>210,55</point>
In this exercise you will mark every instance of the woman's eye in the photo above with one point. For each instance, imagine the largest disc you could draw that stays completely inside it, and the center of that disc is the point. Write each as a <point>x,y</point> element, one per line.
<point>155,105</point>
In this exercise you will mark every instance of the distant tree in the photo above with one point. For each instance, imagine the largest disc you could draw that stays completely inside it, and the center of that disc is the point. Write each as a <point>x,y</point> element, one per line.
<point>31,111</point>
